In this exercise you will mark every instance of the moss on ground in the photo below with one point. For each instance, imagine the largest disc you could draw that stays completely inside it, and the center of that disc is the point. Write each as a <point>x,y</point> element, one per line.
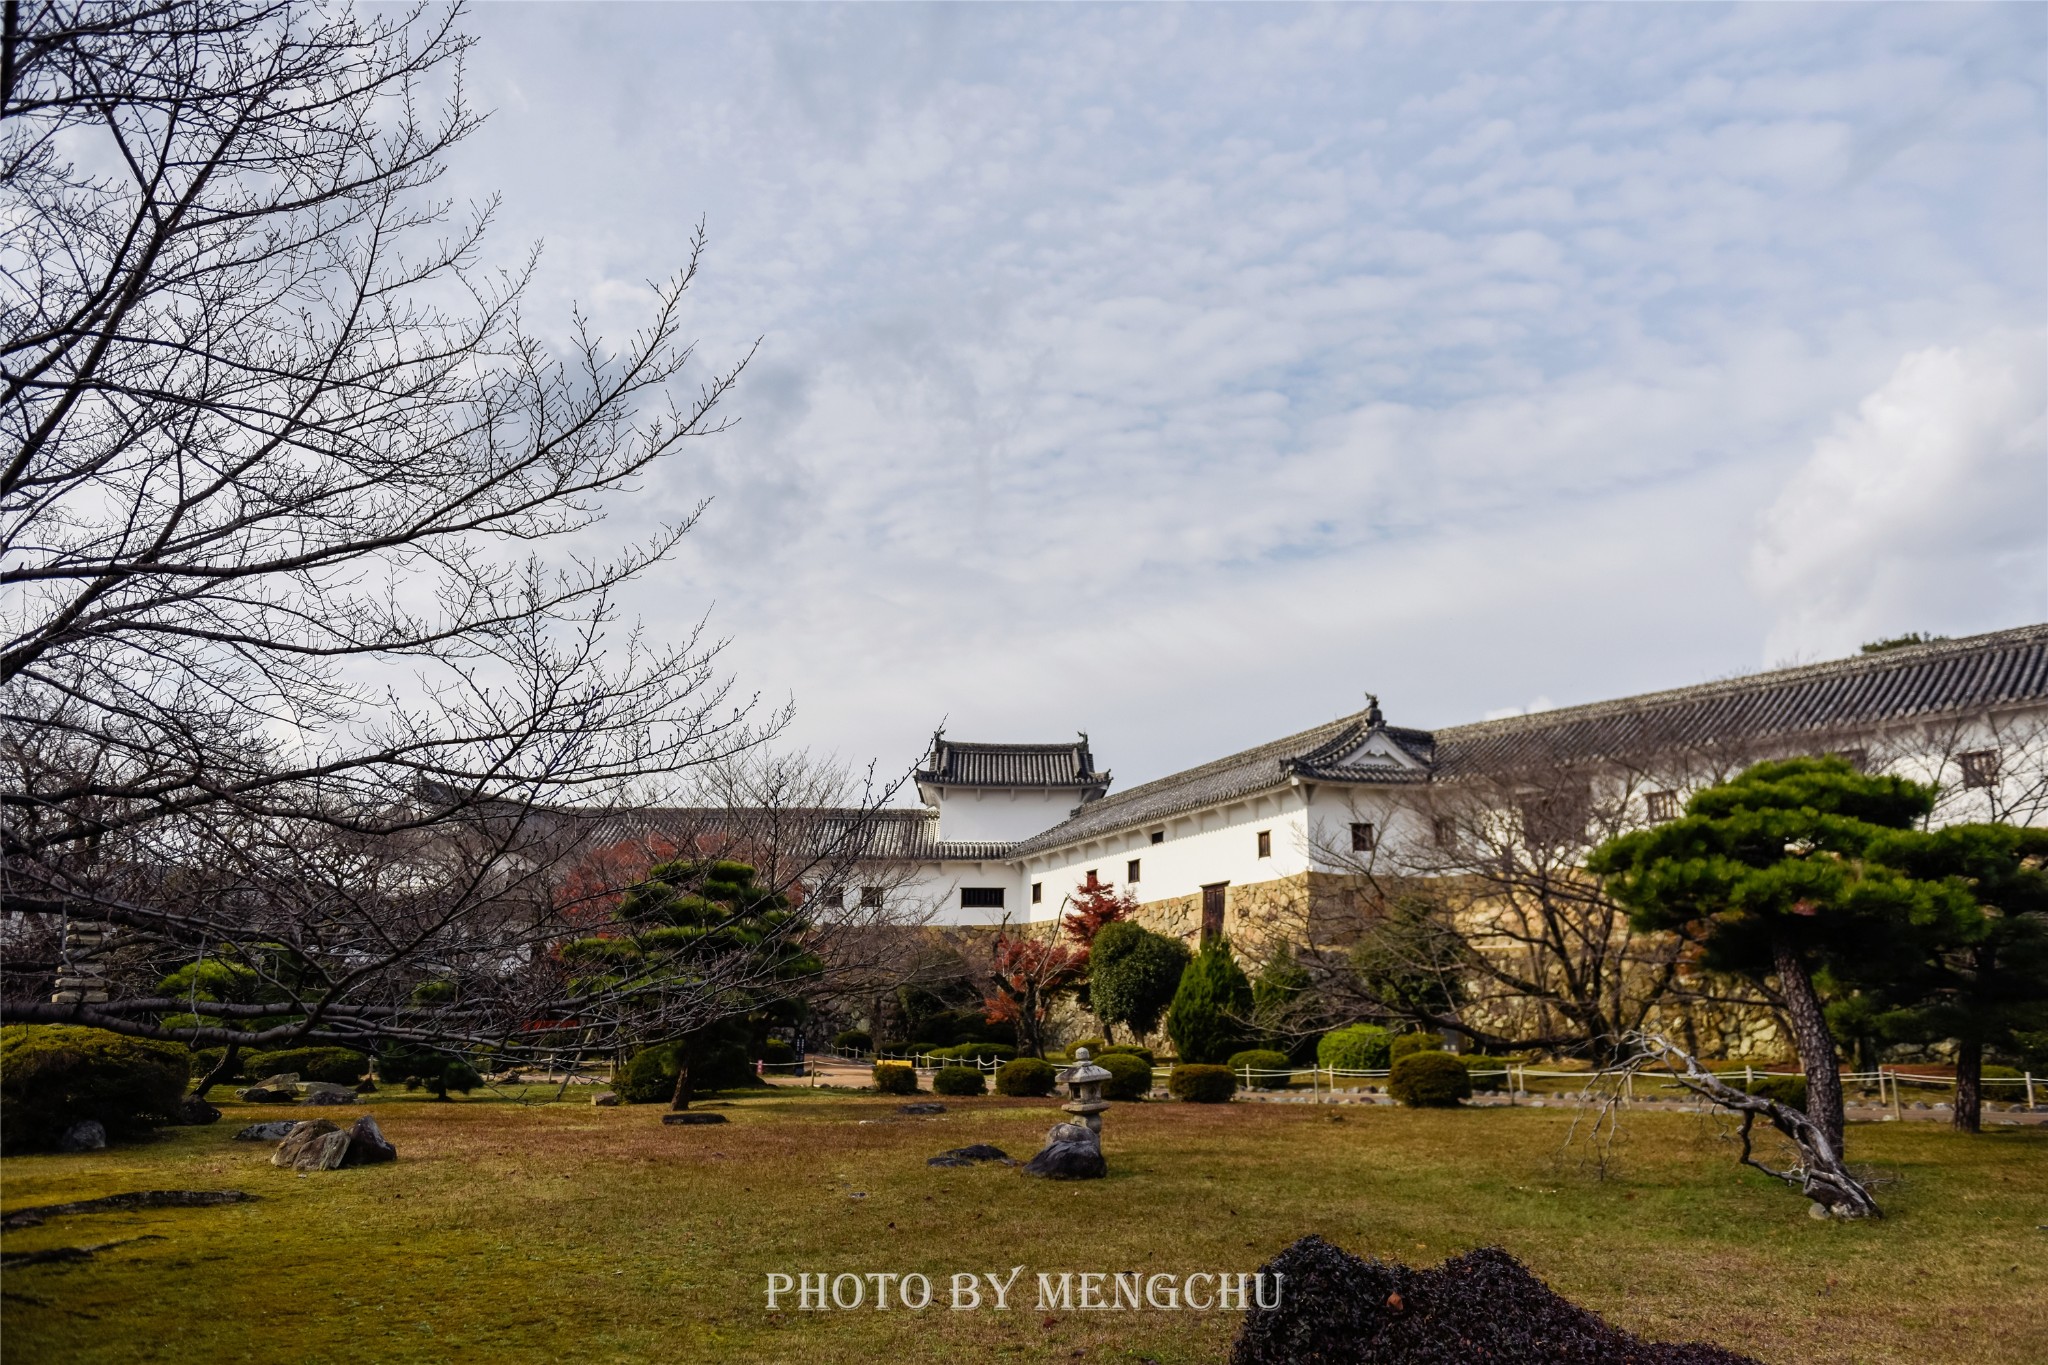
<point>540,1232</point>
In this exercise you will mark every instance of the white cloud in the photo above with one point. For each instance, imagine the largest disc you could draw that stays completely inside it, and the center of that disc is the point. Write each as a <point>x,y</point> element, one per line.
<point>1927,507</point>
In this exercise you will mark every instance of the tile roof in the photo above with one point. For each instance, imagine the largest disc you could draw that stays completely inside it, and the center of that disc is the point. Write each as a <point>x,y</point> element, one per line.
<point>954,763</point>
<point>1947,676</point>
<point>1943,677</point>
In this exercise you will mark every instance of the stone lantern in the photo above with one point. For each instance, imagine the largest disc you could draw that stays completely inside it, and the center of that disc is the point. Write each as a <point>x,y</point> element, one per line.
<point>1083,1081</point>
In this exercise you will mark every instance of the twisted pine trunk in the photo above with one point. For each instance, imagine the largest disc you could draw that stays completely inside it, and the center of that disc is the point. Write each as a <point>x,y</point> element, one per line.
<point>1810,1035</point>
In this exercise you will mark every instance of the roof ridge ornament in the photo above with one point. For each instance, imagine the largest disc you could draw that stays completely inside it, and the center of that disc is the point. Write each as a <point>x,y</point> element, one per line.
<point>1373,719</point>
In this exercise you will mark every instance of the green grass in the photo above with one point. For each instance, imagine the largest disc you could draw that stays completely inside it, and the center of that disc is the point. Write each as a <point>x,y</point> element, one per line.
<point>513,1233</point>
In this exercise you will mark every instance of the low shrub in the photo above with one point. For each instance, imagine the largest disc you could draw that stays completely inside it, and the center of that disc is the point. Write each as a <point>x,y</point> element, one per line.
<point>977,1052</point>
<point>895,1078</point>
<point>1787,1090</point>
<point>1488,1073</point>
<point>55,1075</point>
<point>648,1077</point>
<point>1358,1047</point>
<point>958,1080</point>
<point>331,1065</point>
<point>1130,1077</point>
<point>775,1052</point>
<point>207,1058</point>
<point>1026,1076</point>
<point>1429,1080</point>
<point>1094,1046</point>
<point>854,1040</point>
<point>1260,1059</point>
<point>1408,1044</point>
<point>1198,1083</point>
<point>1143,1054</point>
<point>1992,1072</point>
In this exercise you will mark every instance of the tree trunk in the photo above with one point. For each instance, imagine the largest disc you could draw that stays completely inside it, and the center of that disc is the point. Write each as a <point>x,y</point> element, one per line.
<point>1969,1114</point>
<point>681,1098</point>
<point>1810,1035</point>
<point>222,1069</point>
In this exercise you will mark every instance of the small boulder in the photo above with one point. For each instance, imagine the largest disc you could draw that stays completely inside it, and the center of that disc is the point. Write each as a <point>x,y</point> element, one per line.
<point>692,1117</point>
<point>263,1094</point>
<point>193,1112</point>
<point>277,1130</point>
<point>971,1156</point>
<point>87,1135</point>
<point>921,1108</point>
<point>1072,1152</point>
<point>316,1145</point>
<point>605,1099</point>
<point>366,1086</point>
<point>367,1145</point>
<point>319,1092</point>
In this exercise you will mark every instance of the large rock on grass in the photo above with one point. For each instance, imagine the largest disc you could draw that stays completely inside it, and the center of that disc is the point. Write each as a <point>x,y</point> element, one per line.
<point>971,1156</point>
<point>367,1145</point>
<point>282,1088</point>
<point>1072,1152</point>
<point>1336,1309</point>
<point>319,1092</point>
<point>87,1135</point>
<point>315,1145</point>
<point>194,1112</point>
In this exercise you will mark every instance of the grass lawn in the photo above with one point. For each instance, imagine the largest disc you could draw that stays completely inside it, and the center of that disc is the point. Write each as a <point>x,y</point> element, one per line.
<point>545,1232</point>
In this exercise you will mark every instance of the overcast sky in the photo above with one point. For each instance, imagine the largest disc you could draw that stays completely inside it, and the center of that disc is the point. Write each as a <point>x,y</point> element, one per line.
<point>1178,375</point>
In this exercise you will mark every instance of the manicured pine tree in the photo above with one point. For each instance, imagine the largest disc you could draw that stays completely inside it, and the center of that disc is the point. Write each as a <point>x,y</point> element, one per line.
<point>1768,873</point>
<point>1211,1011</point>
<point>1985,982</point>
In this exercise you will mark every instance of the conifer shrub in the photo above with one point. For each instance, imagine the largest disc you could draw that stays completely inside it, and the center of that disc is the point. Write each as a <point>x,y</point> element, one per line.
<point>895,1078</point>
<point>1202,1083</point>
<point>1206,1017</point>
<point>1130,1077</point>
<point>1409,1043</point>
<point>1260,1059</point>
<point>1026,1076</point>
<point>853,1040</point>
<point>959,1080</point>
<point>1430,1080</point>
<point>55,1075</point>
<point>330,1065</point>
<point>1357,1047</point>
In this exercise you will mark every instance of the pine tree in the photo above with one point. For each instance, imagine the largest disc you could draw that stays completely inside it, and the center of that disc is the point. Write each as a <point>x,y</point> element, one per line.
<point>1132,976</point>
<point>1210,1017</point>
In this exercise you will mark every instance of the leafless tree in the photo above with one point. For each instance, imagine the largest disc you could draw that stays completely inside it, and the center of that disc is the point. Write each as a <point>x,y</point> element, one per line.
<point>298,661</point>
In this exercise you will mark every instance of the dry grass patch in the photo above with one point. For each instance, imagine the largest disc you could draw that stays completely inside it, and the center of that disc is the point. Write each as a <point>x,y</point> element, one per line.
<point>544,1232</point>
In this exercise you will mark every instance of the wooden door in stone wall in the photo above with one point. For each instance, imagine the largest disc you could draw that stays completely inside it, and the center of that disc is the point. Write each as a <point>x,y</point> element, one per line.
<point>1212,910</point>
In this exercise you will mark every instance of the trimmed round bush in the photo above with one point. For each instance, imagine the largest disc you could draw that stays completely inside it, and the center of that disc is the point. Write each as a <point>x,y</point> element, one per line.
<point>1094,1046</point>
<point>775,1052</point>
<point>1260,1059</point>
<point>1130,1078</point>
<point>958,1080</point>
<point>1430,1080</point>
<point>1408,1044</point>
<point>1026,1076</point>
<point>978,1052</point>
<point>1357,1047</point>
<point>1143,1054</point>
<point>1787,1090</point>
<point>332,1065</point>
<point>55,1075</point>
<point>895,1078</point>
<point>1200,1083</point>
<point>853,1040</point>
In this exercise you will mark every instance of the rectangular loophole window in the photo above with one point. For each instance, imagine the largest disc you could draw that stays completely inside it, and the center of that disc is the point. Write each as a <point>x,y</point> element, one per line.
<point>981,898</point>
<point>1092,880</point>
<point>1265,843</point>
<point>1663,806</point>
<point>1158,836</point>
<point>871,898</point>
<point>1364,838</point>
<point>1131,870</point>
<point>1037,893</point>
<point>1980,767</point>
<point>1443,831</point>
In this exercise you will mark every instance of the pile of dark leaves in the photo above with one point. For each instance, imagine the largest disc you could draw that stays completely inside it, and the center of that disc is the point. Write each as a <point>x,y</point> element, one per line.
<point>1336,1309</point>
